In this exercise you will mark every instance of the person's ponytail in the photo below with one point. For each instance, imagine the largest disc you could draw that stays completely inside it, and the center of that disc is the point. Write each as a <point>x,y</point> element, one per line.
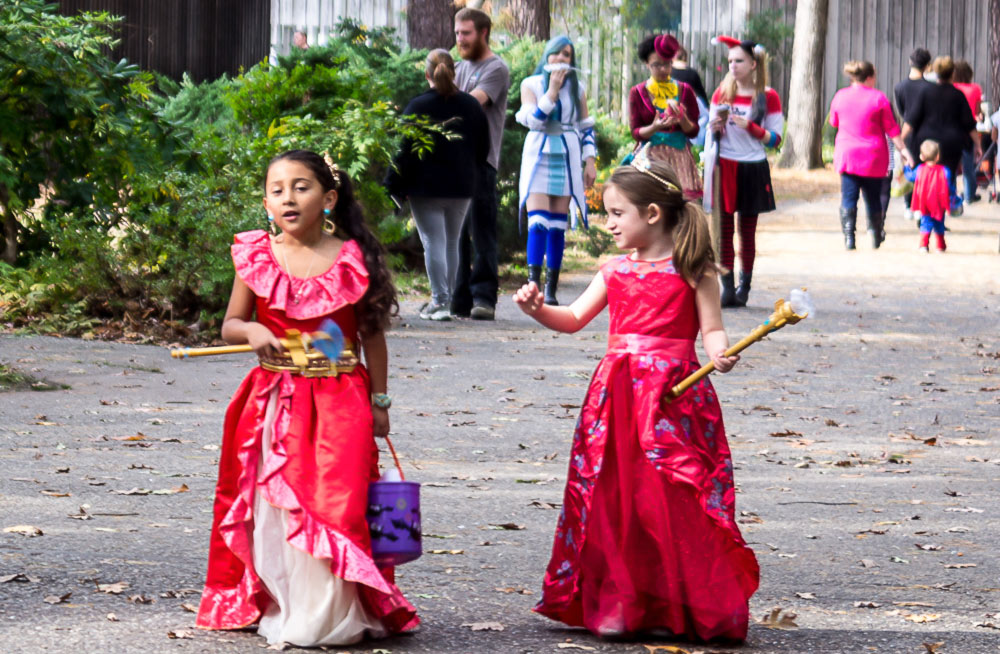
<point>693,253</point>
<point>440,68</point>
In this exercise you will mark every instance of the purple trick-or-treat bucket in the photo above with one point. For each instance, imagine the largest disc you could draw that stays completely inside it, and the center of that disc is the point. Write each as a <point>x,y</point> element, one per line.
<point>394,521</point>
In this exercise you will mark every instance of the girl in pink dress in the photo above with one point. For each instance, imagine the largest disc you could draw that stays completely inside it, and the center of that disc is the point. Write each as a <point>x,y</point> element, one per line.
<point>647,540</point>
<point>290,549</point>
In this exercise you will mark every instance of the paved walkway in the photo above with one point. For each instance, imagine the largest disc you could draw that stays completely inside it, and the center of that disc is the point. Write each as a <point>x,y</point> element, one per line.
<point>866,445</point>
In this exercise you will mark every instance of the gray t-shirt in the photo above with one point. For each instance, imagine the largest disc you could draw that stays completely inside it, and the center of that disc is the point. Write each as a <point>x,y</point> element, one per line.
<point>492,76</point>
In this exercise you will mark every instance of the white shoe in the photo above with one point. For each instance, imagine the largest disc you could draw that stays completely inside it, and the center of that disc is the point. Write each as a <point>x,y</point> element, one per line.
<point>908,214</point>
<point>431,311</point>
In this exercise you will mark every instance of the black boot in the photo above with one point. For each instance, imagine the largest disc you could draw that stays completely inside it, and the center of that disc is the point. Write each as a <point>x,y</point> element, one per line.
<point>743,290</point>
<point>876,227</point>
<point>551,284</point>
<point>535,275</point>
<point>848,221</point>
<point>728,298</point>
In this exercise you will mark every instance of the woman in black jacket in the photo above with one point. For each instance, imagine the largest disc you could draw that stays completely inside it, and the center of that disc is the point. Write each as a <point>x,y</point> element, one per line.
<point>440,184</point>
<point>941,113</point>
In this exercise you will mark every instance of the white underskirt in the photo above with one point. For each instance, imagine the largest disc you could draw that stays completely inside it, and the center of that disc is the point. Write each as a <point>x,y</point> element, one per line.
<point>312,606</point>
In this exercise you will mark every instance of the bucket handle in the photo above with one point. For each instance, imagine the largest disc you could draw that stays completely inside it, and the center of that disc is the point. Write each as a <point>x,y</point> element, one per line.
<point>395,458</point>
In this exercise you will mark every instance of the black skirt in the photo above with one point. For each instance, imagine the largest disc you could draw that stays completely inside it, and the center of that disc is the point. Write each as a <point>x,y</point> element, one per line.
<point>754,194</point>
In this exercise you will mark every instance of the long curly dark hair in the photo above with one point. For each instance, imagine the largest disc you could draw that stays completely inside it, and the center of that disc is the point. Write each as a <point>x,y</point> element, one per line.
<point>379,303</point>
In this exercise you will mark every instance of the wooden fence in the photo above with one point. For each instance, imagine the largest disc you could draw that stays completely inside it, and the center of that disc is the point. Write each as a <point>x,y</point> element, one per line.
<point>317,18</point>
<point>883,32</point>
<point>204,38</point>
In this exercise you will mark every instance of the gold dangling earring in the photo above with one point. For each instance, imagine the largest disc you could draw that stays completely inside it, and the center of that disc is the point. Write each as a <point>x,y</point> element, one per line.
<point>328,225</point>
<point>271,225</point>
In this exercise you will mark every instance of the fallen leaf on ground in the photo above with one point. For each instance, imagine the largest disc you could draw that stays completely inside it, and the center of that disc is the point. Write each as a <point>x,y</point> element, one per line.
<point>171,491</point>
<point>25,530</point>
<point>20,576</point>
<point>140,599</point>
<point>112,617</point>
<point>866,605</point>
<point>138,437</point>
<point>82,515</point>
<point>959,566</point>
<point>927,547</point>
<point>988,625</point>
<point>654,649</point>
<point>446,551</point>
<point>113,589</point>
<point>133,491</point>
<point>519,591</point>
<point>806,596</point>
<point>575,646</point>
<point>933,648</point>
<point>57,599</point>
<point>52,493</point>
<point>867,563</point>
<point>484,626</point>
<point>784,434</point>
<point>507,526</point>
<point>777,619</point>
<point>923,604</point>
<point>538,504</point>
<point>922,618</point>
<point>180,633</point>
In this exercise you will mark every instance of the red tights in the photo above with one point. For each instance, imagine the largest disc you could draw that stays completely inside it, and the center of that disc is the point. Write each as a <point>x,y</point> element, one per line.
<point>748,241</point>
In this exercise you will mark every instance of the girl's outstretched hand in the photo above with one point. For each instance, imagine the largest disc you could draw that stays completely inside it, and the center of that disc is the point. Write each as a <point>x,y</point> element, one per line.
<point>261,339</point>
<point>529,298</point>
<point>724,363</point>
<point>380,422</point>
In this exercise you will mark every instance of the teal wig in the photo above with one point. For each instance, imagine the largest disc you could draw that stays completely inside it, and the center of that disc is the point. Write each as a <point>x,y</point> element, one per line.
<point>554,45</point>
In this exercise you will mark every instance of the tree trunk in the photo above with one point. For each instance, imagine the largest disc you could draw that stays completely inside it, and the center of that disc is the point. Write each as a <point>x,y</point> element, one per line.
<point>430,24</point>
<point>994,45</point>
<point>803,144</point>
<point>10,228</point>
<point>530,18</point>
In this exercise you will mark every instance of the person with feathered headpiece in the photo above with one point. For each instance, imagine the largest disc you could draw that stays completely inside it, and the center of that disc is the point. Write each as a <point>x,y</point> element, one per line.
<point>663,113</point>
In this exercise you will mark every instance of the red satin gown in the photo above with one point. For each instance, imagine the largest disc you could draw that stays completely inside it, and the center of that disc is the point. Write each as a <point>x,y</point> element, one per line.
<point>322,451</point>
<point>647,540</point>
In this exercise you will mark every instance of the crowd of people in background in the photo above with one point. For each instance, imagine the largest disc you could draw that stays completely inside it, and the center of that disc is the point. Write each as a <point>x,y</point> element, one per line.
<point>878,147</point>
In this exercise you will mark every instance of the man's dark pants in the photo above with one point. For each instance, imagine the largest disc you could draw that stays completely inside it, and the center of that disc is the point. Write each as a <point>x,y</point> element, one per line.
<point>477,281</point>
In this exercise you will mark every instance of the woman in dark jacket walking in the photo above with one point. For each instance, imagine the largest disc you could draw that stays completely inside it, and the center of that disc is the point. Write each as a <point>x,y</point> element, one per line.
<point>440,184</point>
<point>941,113</point>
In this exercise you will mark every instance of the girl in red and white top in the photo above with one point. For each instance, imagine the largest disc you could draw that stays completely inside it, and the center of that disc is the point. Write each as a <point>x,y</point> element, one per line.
<point>744,118</point>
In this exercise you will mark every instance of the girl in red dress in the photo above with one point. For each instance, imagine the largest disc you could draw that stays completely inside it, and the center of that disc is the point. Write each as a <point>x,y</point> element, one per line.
<point>290,549</point>
<point>647,540</point>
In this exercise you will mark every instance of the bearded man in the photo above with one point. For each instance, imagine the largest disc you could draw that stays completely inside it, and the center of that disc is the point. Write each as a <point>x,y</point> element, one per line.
<point>486,77</point>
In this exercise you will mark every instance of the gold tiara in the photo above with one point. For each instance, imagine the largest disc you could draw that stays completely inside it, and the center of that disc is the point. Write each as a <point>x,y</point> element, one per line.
<point>642,163</point>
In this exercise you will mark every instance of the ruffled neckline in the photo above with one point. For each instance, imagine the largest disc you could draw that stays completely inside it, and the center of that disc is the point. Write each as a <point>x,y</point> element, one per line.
<point>344,282</point>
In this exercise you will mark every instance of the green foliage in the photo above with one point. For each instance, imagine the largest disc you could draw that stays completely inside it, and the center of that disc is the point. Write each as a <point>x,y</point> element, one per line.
<point>74,121</point>
<point>769,28</point>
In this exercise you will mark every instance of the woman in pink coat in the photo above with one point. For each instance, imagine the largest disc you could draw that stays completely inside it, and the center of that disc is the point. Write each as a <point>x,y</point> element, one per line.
<point>863,118</point>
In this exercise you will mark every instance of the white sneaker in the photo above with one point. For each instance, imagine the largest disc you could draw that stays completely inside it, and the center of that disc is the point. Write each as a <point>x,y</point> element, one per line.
<point>431,311</point>
<point>923,248</point>
<point>908,214</point>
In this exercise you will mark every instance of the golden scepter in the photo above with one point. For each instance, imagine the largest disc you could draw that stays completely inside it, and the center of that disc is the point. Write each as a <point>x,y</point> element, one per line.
<point>786,312</point>
<point>329,341</point>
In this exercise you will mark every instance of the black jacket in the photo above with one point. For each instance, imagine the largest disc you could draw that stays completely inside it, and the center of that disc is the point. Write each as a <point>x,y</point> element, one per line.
<point>449,170</point>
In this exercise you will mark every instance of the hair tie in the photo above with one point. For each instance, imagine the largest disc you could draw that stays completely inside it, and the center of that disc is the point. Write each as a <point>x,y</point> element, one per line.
<point>334,169</point>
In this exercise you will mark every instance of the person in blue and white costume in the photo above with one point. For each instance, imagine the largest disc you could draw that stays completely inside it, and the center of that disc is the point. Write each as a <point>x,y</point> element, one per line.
<point>557,163</point>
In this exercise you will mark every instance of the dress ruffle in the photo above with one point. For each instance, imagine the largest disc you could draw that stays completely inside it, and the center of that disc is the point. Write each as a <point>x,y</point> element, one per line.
<point>237,606</point>
<point>344,283</point>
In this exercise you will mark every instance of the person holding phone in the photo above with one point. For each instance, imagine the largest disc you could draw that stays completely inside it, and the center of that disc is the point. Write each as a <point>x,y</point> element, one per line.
<point>744,118</point>
<point>663,113</point>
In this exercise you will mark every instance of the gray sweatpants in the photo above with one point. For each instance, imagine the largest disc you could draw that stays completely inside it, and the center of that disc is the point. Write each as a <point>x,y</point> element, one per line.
<point>439,223</point>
